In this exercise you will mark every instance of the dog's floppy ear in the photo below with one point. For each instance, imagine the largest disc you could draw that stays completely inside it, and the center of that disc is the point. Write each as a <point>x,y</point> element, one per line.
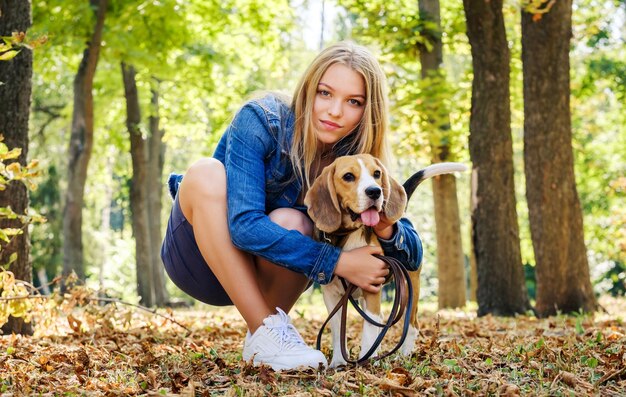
<point>322,203</point>
<point>395,196</point>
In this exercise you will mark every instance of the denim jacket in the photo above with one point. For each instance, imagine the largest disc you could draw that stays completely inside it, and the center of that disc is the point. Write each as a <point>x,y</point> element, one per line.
<point>259,178</point>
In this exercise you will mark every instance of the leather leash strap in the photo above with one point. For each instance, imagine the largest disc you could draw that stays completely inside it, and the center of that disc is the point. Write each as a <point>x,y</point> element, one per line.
<point>402,305</point>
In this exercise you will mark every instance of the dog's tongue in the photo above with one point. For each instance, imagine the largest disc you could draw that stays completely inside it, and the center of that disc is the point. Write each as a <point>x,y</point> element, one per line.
<point>370,217</point>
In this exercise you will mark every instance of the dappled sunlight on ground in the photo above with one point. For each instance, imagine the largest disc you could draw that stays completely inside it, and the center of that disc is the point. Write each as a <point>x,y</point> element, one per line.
<point>113,350</point>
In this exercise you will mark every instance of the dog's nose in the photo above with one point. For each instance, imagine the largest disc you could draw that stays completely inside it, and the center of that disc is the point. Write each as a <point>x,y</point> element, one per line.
<point>373,192</point>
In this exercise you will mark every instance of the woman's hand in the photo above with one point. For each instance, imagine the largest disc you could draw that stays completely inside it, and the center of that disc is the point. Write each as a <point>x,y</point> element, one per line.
<point>362,269</point>
<point>384,228</point>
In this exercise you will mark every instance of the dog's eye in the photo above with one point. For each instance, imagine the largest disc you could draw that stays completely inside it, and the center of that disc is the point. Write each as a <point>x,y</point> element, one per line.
<point>349,177</point>
<point>377,174</point>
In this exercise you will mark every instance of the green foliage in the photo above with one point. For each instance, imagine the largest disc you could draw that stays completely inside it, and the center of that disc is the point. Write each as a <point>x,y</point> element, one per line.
<point>10,46</point>
<point>9,287</point>
<point>599,134</point>
<point>209,56</point>
<point>613,279</point>
<point>537,7</point>
<point>401,32</point>
<point>435,107</point>
<point>605,68</point>
<point>429,114</point>
<point>13,289</point>
<point>7,49</point>
<point>14,171</point>
<point>45,239</point>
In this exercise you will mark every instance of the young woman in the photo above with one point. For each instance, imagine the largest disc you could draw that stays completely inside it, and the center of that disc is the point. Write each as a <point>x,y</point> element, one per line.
<point>239,233</point>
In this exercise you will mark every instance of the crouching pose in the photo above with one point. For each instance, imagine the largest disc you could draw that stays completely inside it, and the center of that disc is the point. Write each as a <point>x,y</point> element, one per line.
<point>239,233</point>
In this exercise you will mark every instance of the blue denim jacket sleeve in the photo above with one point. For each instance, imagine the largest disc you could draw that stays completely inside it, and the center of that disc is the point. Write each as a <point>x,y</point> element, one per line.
<point>249,141</point>
<point>405,245</point>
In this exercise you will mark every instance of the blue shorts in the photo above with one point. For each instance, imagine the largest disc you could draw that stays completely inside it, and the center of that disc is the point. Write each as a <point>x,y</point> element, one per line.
<point>185,265</point>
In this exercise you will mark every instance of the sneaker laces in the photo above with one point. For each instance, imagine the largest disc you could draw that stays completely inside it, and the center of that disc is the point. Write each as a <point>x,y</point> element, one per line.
<point>287,334</point>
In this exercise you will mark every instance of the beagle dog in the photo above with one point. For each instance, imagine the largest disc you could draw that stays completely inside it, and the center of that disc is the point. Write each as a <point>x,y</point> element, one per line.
<point>344,202</point>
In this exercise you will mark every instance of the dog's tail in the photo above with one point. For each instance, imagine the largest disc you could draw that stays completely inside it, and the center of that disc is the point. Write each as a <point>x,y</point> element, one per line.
<point>428,172</point>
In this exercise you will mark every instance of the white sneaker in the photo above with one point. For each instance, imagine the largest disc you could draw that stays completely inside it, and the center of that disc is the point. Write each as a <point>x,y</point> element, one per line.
<point>278,344</point>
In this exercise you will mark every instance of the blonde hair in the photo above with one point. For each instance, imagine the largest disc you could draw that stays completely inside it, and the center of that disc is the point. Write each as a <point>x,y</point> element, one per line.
<point>369,136</point>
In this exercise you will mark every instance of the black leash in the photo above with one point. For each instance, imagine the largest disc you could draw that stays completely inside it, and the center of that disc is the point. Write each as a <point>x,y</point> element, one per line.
<point>402,305</point>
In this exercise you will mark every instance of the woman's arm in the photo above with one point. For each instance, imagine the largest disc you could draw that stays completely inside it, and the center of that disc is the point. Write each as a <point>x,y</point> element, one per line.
<point>404,244</point>
<point>249,141</point>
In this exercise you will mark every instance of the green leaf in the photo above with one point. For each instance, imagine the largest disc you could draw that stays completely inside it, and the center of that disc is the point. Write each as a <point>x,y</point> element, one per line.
<point>11,154</point>
<point>8,55</point>
<point>3,236</point>
<point>599,337</point>
<point>7,212</point>
<point>579,326</point>
<point>591,362</point>
<point>12,231</point>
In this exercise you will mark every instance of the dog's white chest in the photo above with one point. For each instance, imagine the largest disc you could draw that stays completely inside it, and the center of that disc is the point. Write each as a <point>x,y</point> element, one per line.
<point>357,239</point>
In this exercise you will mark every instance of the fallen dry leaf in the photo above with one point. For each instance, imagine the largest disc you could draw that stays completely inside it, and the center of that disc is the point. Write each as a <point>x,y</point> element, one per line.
<point>111,351</point>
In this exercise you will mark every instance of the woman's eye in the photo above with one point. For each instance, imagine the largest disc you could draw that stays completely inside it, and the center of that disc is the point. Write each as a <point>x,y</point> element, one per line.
<point>349,177</point>
<point>354,102</point>
<point>323,93</point>
<point>377,174</point>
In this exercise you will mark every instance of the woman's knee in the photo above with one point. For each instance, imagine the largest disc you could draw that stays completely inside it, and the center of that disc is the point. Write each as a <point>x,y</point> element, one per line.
<point>292,219</point>
<point>205,178</point>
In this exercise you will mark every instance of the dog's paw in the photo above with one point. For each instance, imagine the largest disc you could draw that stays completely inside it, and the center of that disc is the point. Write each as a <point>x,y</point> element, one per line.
<point>409,343</point>
<point>370,334</point>
<point>337,362</point>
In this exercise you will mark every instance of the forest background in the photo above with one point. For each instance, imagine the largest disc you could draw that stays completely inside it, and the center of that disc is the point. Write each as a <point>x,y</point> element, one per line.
<point>208,58</point>
<point>169,75</point>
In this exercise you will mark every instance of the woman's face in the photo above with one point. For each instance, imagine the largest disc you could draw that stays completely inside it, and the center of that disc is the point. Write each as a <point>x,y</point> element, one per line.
<point>339,104</point>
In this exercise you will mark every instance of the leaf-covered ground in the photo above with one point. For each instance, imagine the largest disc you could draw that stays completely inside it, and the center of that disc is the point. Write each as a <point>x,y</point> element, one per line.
<point>114,351</point>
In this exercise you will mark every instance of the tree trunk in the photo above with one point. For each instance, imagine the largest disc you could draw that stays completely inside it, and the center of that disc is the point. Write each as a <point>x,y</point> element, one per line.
<point>450,264</point>
<point>155,196</point>
<point>104,242</point>
<point>556,226</point>
<point>138,190</point>
<point>15,95</point>
<point>501,288</point>
<point>473,276</point>
<point>81,143</point>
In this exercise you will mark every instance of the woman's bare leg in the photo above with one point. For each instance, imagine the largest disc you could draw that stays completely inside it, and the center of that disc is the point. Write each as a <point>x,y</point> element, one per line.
<point>280,286</point>
<point>202,198</point>
<point>255,288</point>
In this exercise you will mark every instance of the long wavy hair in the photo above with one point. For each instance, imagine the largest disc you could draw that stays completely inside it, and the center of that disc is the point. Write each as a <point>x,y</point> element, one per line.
<point>369,136</point>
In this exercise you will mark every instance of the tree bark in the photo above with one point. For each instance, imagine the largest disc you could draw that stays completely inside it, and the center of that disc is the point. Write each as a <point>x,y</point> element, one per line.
<point>155,197</point>
<point>139,189</point>
<point>501,289</point>
<point>473,276</point>
<point>104,242</point>
<point>15,96</point>
<point>81,144</point>
<point>556,225</point>
<point>450,263</point>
